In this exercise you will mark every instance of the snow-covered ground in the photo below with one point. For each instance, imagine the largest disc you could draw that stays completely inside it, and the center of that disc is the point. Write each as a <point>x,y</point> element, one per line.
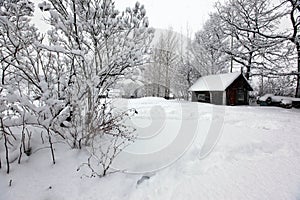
<point>203,151</point>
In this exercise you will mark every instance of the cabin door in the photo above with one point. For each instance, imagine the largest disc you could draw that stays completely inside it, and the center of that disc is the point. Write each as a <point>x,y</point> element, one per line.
<point>232,97</point>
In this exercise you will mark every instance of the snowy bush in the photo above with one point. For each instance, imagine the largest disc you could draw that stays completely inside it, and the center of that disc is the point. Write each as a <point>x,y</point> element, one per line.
<point>56,85</point>
<point>110,138</point>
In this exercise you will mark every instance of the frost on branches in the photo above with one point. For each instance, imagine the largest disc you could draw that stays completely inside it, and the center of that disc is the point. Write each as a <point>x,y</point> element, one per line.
<point>56,84</point>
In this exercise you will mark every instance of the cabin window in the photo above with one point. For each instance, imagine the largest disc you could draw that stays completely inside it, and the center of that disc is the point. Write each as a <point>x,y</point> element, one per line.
<point>240,95</point>
<point>203,97</point>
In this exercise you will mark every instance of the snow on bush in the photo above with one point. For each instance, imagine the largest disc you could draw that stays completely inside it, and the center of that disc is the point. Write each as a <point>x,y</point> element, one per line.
<point>57,86</point>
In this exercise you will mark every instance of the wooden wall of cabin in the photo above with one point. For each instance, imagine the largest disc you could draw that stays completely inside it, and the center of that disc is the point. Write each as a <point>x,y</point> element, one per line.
<point>237,93</point>
<point>217,97</point>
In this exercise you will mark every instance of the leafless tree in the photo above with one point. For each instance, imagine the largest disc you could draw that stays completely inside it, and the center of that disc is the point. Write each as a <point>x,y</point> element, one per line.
<point>163,62</point>
<point>259,44</point>
<point>56,85</point>
<point>207,48</point>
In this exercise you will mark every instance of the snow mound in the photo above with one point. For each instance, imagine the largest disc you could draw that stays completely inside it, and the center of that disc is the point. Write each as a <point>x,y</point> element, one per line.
<point>256,157</point>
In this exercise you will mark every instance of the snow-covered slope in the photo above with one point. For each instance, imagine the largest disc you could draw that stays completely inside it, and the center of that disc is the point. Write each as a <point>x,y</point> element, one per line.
<point>256,156</point>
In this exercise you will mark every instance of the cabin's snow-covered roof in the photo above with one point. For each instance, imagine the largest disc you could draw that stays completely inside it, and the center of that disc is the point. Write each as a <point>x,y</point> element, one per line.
<point>214,82</point>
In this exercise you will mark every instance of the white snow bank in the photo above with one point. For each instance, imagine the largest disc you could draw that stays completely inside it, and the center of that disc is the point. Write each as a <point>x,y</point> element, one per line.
<point>256,157</point>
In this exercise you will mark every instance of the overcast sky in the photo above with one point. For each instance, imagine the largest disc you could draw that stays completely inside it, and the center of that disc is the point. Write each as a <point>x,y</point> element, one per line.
<point>174,13</point>
<point>162,14</point>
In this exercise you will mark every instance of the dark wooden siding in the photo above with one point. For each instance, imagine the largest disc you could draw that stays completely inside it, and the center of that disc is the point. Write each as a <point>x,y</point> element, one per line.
<point>237,93</point>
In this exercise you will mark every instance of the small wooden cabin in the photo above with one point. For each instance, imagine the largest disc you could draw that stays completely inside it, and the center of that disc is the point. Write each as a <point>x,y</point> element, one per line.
<point>222,89</point>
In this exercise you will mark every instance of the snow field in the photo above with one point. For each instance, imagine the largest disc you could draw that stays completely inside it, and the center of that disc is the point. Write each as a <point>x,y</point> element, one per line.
<point>257,156</point>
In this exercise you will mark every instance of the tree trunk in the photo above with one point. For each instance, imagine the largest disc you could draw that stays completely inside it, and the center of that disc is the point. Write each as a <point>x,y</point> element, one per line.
<point>231,57</point>
<point>51,147</point>
<point>249,66</point>
<point>248,73</point>
<point>167,93</point>
<point>6,153</point>
<point>298,66</point>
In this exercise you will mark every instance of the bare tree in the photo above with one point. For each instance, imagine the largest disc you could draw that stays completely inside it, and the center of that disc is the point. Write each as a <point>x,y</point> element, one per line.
<point>163,62</point>
<point>23,75</point>
<point>187,70</point>
<point>207,48</point>
<point>99,45</point>
<point>258,43</point>
<point>56,86</point>
<point>250,49</point>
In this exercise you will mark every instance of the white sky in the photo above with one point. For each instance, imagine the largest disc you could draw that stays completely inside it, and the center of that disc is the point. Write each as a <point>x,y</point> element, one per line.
<point>178,14</point>
<point>163,14</point>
